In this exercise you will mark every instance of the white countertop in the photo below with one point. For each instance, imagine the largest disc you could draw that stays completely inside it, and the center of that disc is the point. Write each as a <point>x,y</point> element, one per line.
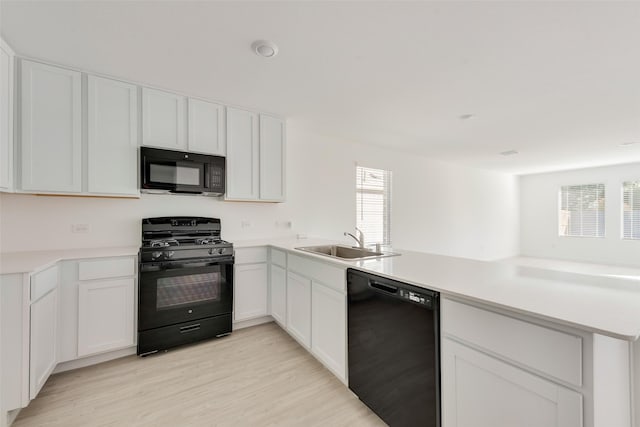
<point>34,261</point>
<point>595,298</point>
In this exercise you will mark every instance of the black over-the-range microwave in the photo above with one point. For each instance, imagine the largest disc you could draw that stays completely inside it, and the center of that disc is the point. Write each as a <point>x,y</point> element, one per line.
<point>168,171</point>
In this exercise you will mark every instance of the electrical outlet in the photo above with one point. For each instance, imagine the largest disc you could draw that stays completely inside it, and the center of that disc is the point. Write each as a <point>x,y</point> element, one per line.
<point>81,228</point>
<point>245,224</point>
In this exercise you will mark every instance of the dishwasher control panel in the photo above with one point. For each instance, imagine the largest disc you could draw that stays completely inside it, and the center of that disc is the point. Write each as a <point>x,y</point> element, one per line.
<point>416,297</point>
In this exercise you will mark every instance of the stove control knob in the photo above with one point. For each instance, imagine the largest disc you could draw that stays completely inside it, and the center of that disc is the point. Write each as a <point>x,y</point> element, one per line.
<point>169,254</point>
<point>156,255</point>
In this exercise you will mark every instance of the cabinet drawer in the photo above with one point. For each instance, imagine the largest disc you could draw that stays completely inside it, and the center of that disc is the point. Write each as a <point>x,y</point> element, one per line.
<point>105,268</point>
<point>552,352</point>
<point>251,255</point>
<point>328,275</point>
<point>279,258</point>
<point>43,282</point>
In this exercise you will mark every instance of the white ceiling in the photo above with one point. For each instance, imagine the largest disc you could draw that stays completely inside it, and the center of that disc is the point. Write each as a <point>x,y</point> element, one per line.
<point>557,81</point>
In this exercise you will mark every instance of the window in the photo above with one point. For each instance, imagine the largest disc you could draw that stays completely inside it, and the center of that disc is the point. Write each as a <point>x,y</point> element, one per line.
<point>582,210</point>
<point>631,210</point>
<point>373,204</point>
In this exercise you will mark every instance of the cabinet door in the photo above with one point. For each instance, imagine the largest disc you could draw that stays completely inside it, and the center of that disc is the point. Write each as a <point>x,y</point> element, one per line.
<point>206,127</point>
<point>112,137</point>
<point>163,117</point>
<point>279,294</point>
<point>242,155</point>
<point>250,291</point>
<point>105,315</point>
<point>272,158</point>
<point>51,129</point>
<point>299,308</point>
<point>329,325</point>
<point>6,118</point>
<point>481,391</point>
<point>43,341</point>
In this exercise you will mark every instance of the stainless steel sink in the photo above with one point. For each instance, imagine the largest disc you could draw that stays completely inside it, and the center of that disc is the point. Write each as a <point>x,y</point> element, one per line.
<point>345,252</point>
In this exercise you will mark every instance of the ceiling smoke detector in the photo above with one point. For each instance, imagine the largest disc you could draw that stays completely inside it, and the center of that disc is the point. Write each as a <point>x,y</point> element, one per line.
<point>264,48</point>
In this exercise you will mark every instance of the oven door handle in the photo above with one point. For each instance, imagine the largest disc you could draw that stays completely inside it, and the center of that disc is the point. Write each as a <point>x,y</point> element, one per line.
<point>184,265</point>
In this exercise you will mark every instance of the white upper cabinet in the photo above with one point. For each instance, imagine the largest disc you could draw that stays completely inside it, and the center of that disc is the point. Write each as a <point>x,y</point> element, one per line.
<point>112,137</point>
<point>6,117</point>
<point>51,129</point>
<point>206,127</point>
<point>255,157</point>
<point>163,119</point>
<point>272,158</point>
<point>242,155</point>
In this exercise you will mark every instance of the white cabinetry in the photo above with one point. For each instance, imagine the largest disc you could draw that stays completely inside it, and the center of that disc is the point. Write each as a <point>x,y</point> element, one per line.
<point>328,332</point>
<point>105,316</point>
<point>14,334</point>
<point>97,307</point>
<point>163,119</point>
<point>6,117</point>
<point>206,127</point>
<point>299,308</point>
<point>43,328</point>
<point>243,152</point>
<point>255,156</point>
<point>481,391</point>
<point>272,159</point>
<point>112,137</point>
<point>250,285</point>
<point>278,287</point>
<point>250,296</point>
<point>534,373</point>
<point>51,130</point>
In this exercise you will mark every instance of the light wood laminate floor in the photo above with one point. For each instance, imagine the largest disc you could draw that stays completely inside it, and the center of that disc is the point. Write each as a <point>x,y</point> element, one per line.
<point>257,376</point>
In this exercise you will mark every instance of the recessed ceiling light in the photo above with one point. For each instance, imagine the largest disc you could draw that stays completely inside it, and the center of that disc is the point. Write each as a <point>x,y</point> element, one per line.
<point>626,144</point>
<point>509,153</point>
<point>467,116</point>
<point>264,48</point>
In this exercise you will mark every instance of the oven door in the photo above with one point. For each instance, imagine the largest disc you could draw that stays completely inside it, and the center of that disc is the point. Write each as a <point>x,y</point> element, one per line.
<point>181,291</point>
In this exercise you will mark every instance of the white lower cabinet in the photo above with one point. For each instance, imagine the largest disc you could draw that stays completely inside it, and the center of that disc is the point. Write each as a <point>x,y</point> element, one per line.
<point>250,291</point>
<point>97,306</point>
<point>105,315</point>
<point>299,308</point>
<point>481,391</point>
<point>278,295</point>
<point>42,357</point>
<point>328,328</point>
<point>499,369</point>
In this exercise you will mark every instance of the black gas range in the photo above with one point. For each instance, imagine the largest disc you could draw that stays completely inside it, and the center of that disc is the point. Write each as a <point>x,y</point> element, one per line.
<point>185,283</point>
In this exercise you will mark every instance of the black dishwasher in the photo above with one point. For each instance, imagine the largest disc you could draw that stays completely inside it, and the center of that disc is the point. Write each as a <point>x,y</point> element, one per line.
<point>394,349</point>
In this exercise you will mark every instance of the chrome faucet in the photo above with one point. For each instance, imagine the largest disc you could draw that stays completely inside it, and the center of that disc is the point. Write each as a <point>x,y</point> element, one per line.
<point>360,240</point>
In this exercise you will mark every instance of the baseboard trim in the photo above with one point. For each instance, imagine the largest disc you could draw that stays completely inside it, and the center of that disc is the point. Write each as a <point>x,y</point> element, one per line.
<point>12,415</point>
<point>93,360</point>
<point>252,322</point>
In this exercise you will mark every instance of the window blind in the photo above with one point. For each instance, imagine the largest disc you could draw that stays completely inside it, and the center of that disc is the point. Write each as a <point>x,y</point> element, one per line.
<point>631,209</point>
<point>582,210</point>
<point>373,204</point>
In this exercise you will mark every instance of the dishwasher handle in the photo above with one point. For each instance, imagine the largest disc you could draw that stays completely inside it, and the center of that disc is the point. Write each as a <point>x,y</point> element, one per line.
<point>383,287</point>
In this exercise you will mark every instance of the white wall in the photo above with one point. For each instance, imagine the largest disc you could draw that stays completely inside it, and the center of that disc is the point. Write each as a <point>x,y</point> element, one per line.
<point>539,217</point>
<point>437,207</point>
